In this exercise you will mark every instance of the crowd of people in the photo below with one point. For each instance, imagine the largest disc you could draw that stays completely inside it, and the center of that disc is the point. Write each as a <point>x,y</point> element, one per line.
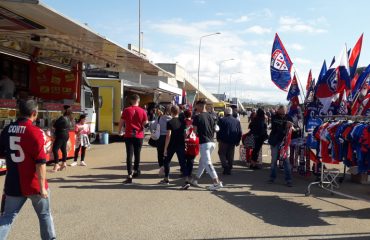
<point>175,130</point>
<point>187,133</point>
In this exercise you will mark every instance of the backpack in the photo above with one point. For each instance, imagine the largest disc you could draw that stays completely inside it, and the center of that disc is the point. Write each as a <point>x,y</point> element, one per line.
<point>191,142</point>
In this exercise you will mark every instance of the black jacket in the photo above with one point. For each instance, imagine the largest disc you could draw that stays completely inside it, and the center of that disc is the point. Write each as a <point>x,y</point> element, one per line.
<point>230,130</point>
<point>258,128</point>
<point>278,129</point>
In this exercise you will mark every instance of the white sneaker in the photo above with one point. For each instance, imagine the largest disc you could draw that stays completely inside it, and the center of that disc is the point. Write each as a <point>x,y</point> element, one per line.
<point>74,164</point>
<point>161,172</point>
<point>83,164</point>
<point>195,183</point>
<point>215,187</point>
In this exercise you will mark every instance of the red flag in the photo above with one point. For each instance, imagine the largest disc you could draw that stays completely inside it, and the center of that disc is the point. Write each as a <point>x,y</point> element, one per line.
<point>355,55</point>
<point>313,156</point>
<point>309,80</point>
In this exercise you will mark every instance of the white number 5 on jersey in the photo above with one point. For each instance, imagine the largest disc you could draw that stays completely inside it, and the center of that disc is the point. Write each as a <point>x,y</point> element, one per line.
<point>14,146</point>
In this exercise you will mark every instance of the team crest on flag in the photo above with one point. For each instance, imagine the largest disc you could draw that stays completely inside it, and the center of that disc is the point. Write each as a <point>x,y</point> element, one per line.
<point>278,61</point>
<point>332,82</point>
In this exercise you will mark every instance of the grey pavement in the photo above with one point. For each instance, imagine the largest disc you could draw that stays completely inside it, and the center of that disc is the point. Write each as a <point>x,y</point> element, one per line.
<point>92,203</point>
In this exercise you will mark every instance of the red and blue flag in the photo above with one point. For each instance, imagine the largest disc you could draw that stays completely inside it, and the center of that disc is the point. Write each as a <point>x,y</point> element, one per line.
<point>281,65</point>
<point>294,91</point>
<point>355,56</point>
<point>361,82</point>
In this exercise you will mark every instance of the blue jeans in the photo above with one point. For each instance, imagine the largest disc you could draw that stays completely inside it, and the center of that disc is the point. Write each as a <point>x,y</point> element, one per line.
<point>287,168</point>
<point>13,205</point>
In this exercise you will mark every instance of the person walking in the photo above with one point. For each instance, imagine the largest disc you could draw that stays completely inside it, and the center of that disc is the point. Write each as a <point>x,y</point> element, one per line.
<point>22,145</point>
<point>258,129</point>
<point>82,131</point>
<point>204,126</point>
<point>62,126</point>
<point>191,148</point>
<point>134,118</point>
<point>162,121</point>
<point>175,143</point>
<point>280,124</point>
<point>228,138</point>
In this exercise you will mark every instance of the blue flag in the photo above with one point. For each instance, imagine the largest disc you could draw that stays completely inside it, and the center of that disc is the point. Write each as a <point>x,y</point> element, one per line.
<point>321,75</point>
<point>280,65</point>
<point>294,89</point>
<point>361,81</point>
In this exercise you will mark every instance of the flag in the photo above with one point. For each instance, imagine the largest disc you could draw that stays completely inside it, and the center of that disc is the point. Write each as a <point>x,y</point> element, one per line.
<point>335,80</point>
<point>281,65</point>
<point>321,75</point>
<point>309,80</point>
<point>344,81</point>
<point>310,93</point>
<point>362,82</point>
<point>294,91</point>
<point>313,157</point>
<point>355,56</point>
<point>327,85</point>
<point>332,62</point>
<point>343,104</point>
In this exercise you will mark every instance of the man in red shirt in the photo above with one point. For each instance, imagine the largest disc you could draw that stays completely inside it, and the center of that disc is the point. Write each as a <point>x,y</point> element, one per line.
<point>22,144</point>
<point>134,118</point>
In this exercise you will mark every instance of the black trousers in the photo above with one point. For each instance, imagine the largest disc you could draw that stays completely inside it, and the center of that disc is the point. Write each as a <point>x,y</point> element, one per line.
<point>160,149</point>
<point>83,151</point>
<point>189,165</point>
<point>180,152</point>
<point>133,149</point>
<point>258,143</point>
<point>60,142</point>
<point>226,153</point>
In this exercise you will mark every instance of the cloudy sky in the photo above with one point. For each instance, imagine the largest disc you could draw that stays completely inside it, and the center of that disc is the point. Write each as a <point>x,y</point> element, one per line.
<point>311,31</point>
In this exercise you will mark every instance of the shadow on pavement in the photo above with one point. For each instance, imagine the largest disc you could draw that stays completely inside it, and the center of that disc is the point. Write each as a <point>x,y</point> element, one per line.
<point>274,210</point>
<point>360,236</point>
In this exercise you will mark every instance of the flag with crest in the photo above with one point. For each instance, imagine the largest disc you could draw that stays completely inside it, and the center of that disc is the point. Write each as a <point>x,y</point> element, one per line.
<point>280,65</point>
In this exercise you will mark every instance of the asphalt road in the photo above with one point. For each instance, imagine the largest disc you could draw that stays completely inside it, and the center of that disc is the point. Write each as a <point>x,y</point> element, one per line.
<point>92,203</point>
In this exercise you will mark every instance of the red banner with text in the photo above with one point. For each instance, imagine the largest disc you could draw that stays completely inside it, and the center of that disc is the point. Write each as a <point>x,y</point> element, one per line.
<point>52,83</point>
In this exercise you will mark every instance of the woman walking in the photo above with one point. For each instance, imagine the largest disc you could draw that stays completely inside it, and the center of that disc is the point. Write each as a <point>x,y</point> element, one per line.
<point>258,129</point>
<point>82,131</point>
<point>62,126</point>
<point>162,121</point>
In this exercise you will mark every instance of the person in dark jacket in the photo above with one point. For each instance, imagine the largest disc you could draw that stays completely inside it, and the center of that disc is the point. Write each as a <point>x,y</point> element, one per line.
<point>228,137</point>
<point>62,126</point>
<point>258,129</point>
<point>280,124</point>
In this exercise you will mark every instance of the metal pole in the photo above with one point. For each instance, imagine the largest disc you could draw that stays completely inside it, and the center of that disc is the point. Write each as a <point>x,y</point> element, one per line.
<point>219,77</point>
<point>200,44</point>
<point>139,27</point>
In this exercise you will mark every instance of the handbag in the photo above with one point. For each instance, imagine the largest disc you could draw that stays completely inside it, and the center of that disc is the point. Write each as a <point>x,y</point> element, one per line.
<point>157,132</point>
<point>152,142</point>
<point>249,141</point>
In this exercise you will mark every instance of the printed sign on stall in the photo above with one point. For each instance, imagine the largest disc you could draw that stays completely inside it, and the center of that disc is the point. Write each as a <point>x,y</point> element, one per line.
<point>51,83</point>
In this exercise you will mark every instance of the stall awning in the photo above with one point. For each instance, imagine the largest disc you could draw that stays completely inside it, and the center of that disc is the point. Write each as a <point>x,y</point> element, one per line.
<point>31,29</point>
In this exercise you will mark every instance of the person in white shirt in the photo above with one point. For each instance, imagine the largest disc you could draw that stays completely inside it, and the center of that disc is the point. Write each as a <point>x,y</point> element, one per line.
<point>7,87</point>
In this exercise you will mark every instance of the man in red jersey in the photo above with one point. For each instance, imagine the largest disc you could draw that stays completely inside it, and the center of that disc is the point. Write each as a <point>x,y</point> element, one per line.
<point>22,144</point>
<point>134,118</point>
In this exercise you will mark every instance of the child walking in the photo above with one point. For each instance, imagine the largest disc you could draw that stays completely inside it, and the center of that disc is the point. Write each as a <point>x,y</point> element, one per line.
<point>82,131</point>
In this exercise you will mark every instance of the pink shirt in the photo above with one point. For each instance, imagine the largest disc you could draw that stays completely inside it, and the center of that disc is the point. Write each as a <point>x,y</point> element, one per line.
<point>85,129</point>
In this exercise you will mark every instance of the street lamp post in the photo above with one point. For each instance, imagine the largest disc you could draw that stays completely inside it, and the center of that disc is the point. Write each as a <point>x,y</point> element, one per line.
<point>219,72</point>
<point>230,86</point>
<point>200,45</point>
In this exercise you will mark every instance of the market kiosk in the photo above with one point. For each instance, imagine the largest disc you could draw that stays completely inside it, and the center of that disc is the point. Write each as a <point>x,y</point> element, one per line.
<point>51,87</point>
